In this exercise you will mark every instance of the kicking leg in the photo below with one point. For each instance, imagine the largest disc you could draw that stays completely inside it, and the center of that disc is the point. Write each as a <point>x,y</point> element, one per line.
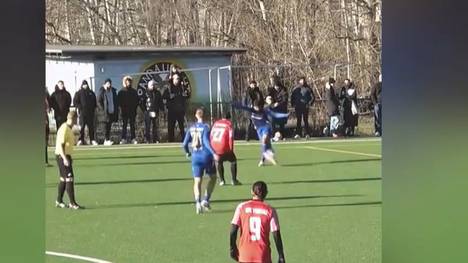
<point>267,148</point>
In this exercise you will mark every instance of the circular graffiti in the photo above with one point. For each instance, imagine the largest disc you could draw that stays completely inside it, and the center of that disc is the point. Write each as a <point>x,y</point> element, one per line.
<point>159,72</point>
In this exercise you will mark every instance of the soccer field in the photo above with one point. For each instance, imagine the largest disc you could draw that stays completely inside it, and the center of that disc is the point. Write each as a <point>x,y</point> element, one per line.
<point>139,204</point>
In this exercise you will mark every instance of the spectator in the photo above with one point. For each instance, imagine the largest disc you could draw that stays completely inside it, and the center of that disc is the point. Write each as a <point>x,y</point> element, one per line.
<point>332,103</point>
<point>128,103</point>
<point>47,130</point>
<point>152,104</point>
<point>377,101</point>
<point>107,102</point>
<point>85,101</point>
<point>349,110</point>
<point>302,98</point>
<point>176,97</point>
<point>60,103</point>
<point>253,93</point>
<point>279,103</point>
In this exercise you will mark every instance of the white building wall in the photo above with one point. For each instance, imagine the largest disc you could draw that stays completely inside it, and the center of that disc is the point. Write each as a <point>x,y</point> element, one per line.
<point>71,72</point>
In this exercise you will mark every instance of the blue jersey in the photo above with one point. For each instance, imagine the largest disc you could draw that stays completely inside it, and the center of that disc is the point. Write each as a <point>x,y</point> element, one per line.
<point>260,118</point>
<point>197,140</point>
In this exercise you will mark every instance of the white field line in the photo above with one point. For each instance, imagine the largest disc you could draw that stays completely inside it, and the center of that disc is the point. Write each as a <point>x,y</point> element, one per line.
<point>343,151</point>
<point>237,143</point>
<point>88,259</point>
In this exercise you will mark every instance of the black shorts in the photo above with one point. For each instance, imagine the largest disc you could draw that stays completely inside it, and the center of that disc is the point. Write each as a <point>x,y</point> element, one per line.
<point>65,171</point>
<point>229,156</point>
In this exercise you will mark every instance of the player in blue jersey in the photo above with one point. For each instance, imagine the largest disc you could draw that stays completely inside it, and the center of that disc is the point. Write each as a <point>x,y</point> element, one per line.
<point>197,145</point>
<point>260,117</point>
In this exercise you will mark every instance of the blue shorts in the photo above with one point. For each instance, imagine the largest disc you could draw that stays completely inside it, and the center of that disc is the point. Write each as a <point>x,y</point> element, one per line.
<point>264,130</point>
<point>203,164</point>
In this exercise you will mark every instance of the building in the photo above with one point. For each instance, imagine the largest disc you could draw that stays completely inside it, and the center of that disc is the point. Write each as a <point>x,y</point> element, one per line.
<point>73,64</point>
<point>206,69</point>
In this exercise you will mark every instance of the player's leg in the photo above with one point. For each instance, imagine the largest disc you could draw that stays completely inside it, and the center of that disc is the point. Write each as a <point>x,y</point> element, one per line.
<point>220,169</point>
<point>233,160</point>
<point>211,172</point>
<point>268,153</point>
<point>262,146</point>
<point>197,172</point>
<point>61,185</point>
<point>70,185</point>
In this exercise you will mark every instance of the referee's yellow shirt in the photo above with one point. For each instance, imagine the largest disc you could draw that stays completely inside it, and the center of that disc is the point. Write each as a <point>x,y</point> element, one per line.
<point>65,136</point>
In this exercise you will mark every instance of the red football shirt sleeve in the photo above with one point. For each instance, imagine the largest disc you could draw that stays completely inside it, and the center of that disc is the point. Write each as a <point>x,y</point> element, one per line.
<point>236,220</point>
<point>274,222</point>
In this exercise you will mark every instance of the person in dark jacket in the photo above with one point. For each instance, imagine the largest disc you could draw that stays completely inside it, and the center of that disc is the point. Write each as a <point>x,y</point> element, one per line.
<point>279,103</point>
<point>107,102</point>
<point>349,110</point>
<point>152,104</point>
<point>302,98</point>
<point>47,129</point>
<point>253,94</point>
<point>85,101</point>
<point>332,104</point>
<point>128,103</point>
<point>176,97</point>
<point>376,97</point>
<point>60,103</point>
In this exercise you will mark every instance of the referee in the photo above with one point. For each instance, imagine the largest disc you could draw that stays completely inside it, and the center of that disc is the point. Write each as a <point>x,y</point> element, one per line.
<point>63,150</point>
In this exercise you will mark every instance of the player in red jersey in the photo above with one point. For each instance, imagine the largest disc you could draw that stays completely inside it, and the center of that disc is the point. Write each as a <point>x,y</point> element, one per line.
<point>256,220</point>
<point>222,142</point>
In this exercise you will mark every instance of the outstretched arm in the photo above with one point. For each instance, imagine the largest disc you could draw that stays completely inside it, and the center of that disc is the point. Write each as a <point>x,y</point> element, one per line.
<point>279,246</point>
<point>276,115</point>
<point>187,140</point>
<point>239,106</point>
<point>234,252</point>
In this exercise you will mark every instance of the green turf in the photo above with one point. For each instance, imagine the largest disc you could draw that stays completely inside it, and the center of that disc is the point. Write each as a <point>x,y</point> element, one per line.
<point>140,209</point>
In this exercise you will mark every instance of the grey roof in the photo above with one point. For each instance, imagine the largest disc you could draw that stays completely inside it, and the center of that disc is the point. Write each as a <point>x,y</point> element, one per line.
<point>108,50</point>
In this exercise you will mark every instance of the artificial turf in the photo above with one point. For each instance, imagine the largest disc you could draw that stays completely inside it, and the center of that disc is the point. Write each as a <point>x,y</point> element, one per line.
<point>139,204</point>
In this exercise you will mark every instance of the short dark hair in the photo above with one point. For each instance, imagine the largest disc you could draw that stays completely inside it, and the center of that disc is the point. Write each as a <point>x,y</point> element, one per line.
<point>200,109</point>
<point>227,115</point>
<point>108,80</point>
<point>252,82</point>
<point>259,103</point>
<point>331,80</point>
<point>260,189</point>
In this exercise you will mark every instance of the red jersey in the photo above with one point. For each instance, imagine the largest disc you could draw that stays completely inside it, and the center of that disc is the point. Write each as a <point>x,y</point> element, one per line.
<point>256,219</point>
<point>221,137</point>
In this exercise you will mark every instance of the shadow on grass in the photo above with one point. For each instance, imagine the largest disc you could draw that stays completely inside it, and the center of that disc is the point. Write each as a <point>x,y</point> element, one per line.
<point>328,180</point>
<point>331,162</point>
<point>214,202</point>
